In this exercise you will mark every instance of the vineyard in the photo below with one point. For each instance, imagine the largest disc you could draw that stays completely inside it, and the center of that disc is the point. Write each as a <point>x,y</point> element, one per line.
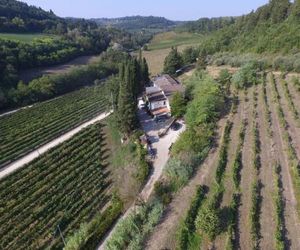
<point>27,129</point>
<point>247,193</point>
<point>57,192</point>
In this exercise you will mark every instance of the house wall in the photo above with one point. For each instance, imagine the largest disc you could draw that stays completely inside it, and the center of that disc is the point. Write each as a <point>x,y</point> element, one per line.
<point>158,104</point>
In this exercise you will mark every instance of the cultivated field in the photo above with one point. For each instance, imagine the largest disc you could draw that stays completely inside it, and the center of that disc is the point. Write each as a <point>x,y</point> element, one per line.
<point>169,39</point>
<point>252,175</point>
<point>30,74</point>
<point>160,47</point>
<point>27,129</point>
<point>24,37</point>
<point>59,190</point>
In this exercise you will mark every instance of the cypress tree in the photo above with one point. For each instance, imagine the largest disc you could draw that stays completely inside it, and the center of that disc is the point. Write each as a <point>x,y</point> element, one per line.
<point>173,62</point>
<point>145,72</point>
<point>126,104</point>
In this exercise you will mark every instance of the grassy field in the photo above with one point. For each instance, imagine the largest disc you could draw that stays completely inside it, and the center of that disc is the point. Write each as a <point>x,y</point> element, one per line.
<point>156,58</point>
<point>169,39</point>
<point>160,47</point>
<point>24,37</point>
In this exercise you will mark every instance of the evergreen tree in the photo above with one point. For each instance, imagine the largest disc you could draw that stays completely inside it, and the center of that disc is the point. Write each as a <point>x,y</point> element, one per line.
<point>279,10</point>
<point>127,97</point>
<point>145,72</point>
<point>178,105</point>
<point>173,62</point>
<point>135,73</point>
<point>296,9</point>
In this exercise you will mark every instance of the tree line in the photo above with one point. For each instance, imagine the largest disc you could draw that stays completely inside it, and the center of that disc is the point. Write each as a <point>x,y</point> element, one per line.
<point>50,86</point>
<point>130,83</point>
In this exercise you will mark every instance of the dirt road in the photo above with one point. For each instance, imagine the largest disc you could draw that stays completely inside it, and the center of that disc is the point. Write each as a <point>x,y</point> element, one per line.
<point>36,153</point>
<point>161,147</point>
<point>30,74</point>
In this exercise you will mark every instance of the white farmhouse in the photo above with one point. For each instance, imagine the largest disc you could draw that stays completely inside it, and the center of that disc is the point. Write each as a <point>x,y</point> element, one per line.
<point>160,94</point>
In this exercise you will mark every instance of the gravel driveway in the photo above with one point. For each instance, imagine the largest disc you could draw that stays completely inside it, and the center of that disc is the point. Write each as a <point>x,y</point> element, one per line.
<point>161,147</point>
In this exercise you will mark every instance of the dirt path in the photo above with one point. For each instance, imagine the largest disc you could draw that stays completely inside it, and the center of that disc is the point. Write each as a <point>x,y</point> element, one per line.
<point>267,217</point>
<point>290,213</point>
<point>36,153</point>
<point>247,175</point>
<point>164,236</point>
<point>161,146</point>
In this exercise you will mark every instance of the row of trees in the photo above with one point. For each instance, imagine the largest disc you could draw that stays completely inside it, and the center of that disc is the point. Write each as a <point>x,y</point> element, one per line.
<point>131,81</point>
<point>176,60</point>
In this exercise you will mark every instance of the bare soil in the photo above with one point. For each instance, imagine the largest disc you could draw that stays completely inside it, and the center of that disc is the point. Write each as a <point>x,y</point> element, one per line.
<point>214,71</point>
<point>280,150</point>
<point>247,177</point>
<point>30,74</point>
<point>267,217</point>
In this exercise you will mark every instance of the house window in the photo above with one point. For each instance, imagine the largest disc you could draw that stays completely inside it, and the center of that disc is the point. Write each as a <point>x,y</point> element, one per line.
<point>164,103</point>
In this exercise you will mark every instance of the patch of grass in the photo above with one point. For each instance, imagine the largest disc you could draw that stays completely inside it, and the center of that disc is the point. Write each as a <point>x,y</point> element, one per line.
<point>28,37</point>
<point>169,39</point>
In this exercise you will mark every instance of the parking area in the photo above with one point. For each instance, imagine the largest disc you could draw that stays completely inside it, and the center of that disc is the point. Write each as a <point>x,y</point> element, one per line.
<point>160,146</point>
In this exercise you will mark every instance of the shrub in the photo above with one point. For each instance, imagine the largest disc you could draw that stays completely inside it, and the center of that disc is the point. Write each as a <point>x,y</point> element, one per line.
<point>208,221</point>
<point>132,230</point>
<point>246,76</point>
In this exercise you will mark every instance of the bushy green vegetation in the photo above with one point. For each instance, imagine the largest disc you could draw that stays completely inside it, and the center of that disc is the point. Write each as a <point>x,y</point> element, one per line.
<point>90,234</point>
<point>23,131</point>
<point>286,62</point>
<point>194,144</point>
<point>133,229</point>
<point>245,76</point>
<point>256,197</point>
<point>202,113</point>
<point>25,37</point>
<point>267,109</point>
<point>64,187</point>
<point>173,62</point>
<point>209,222</point>
<point>223,155</point>
<point>290,101</point>
<point>187,229</point>
<point>237,163</point>
<point>255,213</point>
<point>178,105</point>
<point>279,210</point>
<point>233,221</point>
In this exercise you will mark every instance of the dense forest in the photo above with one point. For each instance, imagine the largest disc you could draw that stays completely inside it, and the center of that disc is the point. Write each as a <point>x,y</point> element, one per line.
<point>272,28</point>
<point>206,25</point>
<point>134,23</point>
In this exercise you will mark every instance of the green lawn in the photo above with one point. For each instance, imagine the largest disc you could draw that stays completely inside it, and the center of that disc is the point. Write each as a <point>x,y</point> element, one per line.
<point>169,39</point>
<point>24,37</point>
